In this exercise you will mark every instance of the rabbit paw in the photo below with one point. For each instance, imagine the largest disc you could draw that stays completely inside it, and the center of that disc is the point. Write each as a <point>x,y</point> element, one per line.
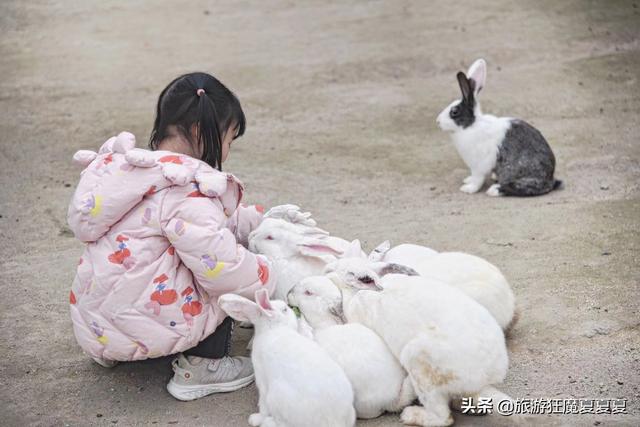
<point>255,419</point>
<point>419,416</point>
<point>494,191</point>
<point>468,179</point>
<point>470,187</point>
<point>269,422</point>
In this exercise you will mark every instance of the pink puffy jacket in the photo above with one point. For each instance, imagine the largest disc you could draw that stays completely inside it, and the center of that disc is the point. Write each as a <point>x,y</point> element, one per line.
<point>162,232</point>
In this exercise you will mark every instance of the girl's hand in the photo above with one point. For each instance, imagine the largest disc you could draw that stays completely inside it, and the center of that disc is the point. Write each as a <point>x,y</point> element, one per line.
<point>292,214</point>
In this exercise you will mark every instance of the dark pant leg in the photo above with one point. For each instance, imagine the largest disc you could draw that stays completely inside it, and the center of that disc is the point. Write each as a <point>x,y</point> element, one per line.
<point>216,345</point>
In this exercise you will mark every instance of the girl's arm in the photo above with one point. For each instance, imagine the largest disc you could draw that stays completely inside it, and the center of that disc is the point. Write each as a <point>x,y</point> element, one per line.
<point>196,227</point>
<point>243,221</point>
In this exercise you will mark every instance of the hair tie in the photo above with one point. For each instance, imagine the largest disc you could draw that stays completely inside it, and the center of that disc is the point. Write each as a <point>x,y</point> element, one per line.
<point>200,92</point>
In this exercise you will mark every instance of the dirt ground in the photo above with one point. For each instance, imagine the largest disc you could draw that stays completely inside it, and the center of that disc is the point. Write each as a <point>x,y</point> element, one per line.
<point>341,99</point>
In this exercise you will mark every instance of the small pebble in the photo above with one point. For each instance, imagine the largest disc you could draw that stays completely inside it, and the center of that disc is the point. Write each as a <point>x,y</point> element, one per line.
<point>605,253</point>
<point>604,187</point>
<point>619,382</point>
<point>98,415</point>
<point>67,185</point>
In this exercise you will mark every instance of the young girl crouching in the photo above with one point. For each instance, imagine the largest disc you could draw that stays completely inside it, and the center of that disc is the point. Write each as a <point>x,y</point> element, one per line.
<point>164,233</point>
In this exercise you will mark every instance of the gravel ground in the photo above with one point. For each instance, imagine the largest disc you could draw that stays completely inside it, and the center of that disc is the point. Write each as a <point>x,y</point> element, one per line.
<point>341,99</point>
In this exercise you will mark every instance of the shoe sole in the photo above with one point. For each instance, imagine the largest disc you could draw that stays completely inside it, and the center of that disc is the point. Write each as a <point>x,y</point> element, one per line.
<point>105,363</point>
<point>193,392</point>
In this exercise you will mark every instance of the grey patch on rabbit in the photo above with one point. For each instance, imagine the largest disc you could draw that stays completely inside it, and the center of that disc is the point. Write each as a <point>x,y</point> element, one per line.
<point>393,268</point>
<point>525,163</point>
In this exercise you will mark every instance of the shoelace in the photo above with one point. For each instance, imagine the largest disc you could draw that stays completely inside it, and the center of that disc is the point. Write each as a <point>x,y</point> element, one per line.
<point>229,362</point>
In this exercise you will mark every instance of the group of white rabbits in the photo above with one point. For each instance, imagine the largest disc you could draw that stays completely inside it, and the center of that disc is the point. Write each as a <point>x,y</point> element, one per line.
<point>375,332</point>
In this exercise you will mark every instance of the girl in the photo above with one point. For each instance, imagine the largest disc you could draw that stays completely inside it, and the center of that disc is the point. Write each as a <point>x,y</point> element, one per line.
<point>162,229</point>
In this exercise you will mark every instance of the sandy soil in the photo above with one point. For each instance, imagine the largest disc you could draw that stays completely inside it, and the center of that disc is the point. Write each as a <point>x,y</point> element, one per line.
<point>341,99</point>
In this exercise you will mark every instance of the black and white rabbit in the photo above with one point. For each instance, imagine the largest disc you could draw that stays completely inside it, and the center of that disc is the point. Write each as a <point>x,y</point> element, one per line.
<point>514,150</point>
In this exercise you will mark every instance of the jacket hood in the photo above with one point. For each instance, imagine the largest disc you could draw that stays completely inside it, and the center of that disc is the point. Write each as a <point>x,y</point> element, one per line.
<point>119,176</point>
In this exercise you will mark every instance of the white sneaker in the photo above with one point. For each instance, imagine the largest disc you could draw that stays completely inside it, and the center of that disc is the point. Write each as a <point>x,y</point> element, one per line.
<point>105,363</point>
<point>196,377</point>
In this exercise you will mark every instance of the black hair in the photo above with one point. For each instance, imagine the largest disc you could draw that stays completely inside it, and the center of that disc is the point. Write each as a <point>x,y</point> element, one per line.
<point>183,103</point>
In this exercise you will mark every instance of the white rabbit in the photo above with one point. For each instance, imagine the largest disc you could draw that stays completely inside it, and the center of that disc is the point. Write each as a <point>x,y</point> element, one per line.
<point>408,253</point>
<point>296,250</point>
<point>514,150</point>
<point>379,382</point>
<point>473,275</point>
<point>449,344</point>
<point>298,383</point>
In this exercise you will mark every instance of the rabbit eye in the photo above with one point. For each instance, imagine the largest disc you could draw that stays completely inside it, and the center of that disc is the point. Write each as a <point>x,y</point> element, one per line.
<point>455,111</point>
<point>269,237</point>
<point>308,293</point>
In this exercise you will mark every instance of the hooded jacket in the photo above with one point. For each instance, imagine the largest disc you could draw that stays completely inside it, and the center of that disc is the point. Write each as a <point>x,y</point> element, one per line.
<point>162,233</point>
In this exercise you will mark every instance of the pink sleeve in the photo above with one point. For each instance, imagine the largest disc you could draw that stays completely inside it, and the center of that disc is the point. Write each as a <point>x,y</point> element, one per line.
<point>244,220</point>
<point>195,226</point>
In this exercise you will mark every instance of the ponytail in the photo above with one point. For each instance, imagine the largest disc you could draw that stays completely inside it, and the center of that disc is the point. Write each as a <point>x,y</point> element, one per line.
<point>200,99</point>
<point>209,135</point>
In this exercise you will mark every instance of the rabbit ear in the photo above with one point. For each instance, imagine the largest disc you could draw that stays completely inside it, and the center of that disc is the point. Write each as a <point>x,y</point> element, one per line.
<point>478,73</point>
<point>337,312</point>
<point>384,268</point>
<point>465,86</point>
<point>354,250</point>
<point>366,282</point>
<point>263,302</point>
<point>238,307</point>
<point>378,253</point>
<point>318,247</point>
<point>304,328</point>
<point>335,279</point>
